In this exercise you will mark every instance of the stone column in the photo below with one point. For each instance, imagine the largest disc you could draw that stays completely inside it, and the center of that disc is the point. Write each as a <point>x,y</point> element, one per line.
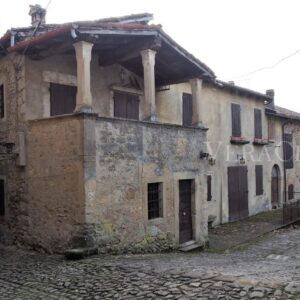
<point>148,58</point>
<point>83,57</point>
<point>197,119</point>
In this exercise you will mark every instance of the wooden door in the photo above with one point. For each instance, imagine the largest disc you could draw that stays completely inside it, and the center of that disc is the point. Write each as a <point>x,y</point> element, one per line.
<point>237,193</point>
<point>185,211</point>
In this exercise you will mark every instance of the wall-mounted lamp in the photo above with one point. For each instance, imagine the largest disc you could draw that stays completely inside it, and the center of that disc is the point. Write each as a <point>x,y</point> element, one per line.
<point>211,160</point>
<point>241,159</point>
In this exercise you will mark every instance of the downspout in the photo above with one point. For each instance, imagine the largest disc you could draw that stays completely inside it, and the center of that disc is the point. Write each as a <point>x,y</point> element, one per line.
<point>284,156</point>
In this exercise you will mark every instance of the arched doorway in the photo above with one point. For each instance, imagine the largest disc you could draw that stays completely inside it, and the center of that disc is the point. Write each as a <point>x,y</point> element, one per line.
<point>275,186</point>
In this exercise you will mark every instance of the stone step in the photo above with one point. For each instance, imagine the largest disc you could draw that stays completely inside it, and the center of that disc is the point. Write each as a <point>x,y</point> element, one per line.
<point>190,246</point>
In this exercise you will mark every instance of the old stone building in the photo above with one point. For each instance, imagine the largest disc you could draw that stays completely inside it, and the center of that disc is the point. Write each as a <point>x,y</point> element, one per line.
<point>114,136</point>
<point>92,162</point>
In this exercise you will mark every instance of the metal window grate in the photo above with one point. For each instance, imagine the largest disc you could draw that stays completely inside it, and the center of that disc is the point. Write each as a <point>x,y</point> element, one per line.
<point>154,200</point>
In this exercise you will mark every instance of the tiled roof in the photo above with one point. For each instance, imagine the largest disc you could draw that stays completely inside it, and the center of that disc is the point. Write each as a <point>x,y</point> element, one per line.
<point>286,112</point>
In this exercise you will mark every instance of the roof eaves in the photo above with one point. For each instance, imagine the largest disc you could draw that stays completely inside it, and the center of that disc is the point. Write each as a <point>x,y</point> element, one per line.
<point>192,58</point>
<point>227,85</point>
<point>39,38</point>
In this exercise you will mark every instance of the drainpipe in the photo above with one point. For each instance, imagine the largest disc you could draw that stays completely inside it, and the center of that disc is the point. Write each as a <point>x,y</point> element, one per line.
<point>284,157</point>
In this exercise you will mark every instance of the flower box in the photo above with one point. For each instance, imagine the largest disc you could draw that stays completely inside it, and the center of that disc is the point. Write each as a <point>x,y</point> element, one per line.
<point>260,142</point>
<point>239,140</point>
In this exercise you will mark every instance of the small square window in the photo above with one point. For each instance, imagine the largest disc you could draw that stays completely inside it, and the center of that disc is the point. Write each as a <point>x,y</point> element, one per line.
<point>2,101</point>
<point>155,200</point>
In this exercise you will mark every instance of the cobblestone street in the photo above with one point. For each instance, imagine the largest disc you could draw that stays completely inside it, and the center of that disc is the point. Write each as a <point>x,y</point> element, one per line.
<point>267,269</point>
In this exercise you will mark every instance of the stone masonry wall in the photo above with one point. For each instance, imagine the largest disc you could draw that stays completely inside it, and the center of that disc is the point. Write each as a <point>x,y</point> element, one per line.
<point>55,181</point>
<point>130,154</point>
<point>14,225</point>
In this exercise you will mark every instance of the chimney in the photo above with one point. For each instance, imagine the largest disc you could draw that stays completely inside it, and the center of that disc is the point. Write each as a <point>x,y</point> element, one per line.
<point>38,15</point>
<point>270,105</point>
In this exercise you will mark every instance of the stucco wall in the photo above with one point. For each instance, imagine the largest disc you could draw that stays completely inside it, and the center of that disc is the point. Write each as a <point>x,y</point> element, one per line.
<point>62,69</point>
<point>131,154</point>
<point>216,115</point>
<point>55,182</point>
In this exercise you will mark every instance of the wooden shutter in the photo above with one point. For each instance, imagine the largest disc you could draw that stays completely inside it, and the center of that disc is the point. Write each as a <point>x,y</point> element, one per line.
<point>209,194</point>
<point>187,109</point>
<point>132,107</point>
<point>62,99</point>
<point>126,106</point>
<point>288,150</point>
<point>120,102</point>
<point>2,101</point>
<point>259,179</point>
<point>236,120</point>
<point>2,198</point>
<point>257,124</point>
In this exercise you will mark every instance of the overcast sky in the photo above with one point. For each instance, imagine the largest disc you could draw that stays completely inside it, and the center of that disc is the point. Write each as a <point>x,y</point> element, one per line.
<point>233,37</point>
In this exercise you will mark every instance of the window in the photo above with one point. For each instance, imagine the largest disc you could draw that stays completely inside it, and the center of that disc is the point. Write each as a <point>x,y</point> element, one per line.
<point>209,194</point>
<point>2,197</point>
<point>2,101</point>
<point>271,129</point>
<point>187,109</point>
<point>126,106</point>
<point>291,191</point>
<point>257,124</point>
<point>259,180</point>
<point>288,151</point>
<point>155,200</point>
<point>236,120</point>
<point>62,99</point>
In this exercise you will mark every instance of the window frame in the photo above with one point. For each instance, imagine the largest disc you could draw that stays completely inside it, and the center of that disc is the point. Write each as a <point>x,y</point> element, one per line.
<point>187,119</point>
<point>209,185</point>
<point>259,185</point>
<point>53,104</point>
<point>126,96</point>
<point>258,130</point>
<point>288,146</point>
<point>236,124</point>
<point>160,206</point>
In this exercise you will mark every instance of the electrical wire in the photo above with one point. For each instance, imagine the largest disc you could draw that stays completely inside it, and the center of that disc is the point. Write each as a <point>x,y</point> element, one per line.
<point>269,67</point>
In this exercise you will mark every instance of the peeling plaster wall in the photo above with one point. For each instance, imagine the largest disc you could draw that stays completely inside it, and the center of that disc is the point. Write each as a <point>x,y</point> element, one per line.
<point>131,154</point>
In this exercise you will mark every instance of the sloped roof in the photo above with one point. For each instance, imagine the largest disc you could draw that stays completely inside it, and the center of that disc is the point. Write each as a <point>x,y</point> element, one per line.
<point>287,113</point>
<point>32,39</point>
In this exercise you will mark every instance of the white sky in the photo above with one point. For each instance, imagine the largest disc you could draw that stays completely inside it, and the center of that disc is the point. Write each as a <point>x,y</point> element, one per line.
<point>233,37</point>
